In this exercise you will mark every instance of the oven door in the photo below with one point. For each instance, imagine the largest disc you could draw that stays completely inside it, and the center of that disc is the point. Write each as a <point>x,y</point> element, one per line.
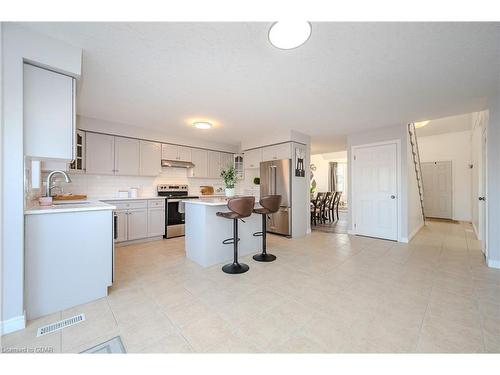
<point>174,220</point>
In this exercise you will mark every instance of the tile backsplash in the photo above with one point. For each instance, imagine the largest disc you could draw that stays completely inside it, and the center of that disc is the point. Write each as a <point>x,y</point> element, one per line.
<point>108,186</point>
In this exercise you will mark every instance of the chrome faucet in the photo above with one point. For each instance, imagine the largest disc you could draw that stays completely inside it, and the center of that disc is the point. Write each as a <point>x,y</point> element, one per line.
<point>49,187</point>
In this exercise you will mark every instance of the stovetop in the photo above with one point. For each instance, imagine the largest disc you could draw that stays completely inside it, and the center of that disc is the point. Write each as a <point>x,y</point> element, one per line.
<point>174,191</point>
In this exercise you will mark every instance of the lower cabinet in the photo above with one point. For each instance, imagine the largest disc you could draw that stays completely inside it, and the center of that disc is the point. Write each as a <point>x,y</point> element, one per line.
<point>139,219</point>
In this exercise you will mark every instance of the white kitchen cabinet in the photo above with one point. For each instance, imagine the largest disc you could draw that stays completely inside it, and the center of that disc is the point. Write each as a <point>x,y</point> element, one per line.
<point>174,152</point>
<point>48,114</point>
<point>277,152</point>
<point>137,224</point>
<point>121,225</point>
<point>156,221</point>
<point>200,161</point>
<point>213,164</point>
<point>150,158</point>
<point>226,160</point>
<point>184,153</point>
<point>252,158</point>
<point>100,153</point>
<point>126,156</point>
<point>77,166</point>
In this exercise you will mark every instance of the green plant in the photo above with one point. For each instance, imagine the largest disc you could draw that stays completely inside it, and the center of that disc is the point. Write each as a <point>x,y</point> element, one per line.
<point>256,181</point>
<point>229,176</point>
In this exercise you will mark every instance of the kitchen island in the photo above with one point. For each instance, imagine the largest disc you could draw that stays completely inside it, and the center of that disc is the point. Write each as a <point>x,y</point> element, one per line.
<point>205,232</point>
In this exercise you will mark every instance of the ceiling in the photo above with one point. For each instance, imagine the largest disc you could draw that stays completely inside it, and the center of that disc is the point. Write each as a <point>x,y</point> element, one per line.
<point>347,78</point>
<point>446,125</point>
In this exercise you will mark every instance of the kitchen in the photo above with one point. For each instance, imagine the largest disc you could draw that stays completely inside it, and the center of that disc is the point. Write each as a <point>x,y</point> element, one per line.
<point>139,181</point>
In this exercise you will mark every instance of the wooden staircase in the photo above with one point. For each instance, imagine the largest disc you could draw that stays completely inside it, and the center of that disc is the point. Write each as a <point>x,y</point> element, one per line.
<point>416,162</point>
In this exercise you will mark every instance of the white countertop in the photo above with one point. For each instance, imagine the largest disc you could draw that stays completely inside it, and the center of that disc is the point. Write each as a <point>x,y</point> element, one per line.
<point>215,201</point>
<point>69,206</point>
<point>126,198</point>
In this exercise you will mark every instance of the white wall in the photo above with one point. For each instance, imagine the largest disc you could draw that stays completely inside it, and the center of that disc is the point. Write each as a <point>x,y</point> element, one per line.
<point>398,132</point>
<point>21,44</point>
<point>454,147</point>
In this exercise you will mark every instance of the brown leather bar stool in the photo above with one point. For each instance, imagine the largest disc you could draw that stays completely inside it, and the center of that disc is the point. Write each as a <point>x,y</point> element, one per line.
<point>270,204</point>
<point>239,208</point>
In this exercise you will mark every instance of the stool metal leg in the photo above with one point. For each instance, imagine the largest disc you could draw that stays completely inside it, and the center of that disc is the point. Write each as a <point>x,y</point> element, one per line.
<point>235,267</point>
<point>264,256</point>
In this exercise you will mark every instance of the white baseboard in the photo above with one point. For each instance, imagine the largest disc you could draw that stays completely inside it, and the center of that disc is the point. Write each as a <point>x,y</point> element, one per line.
<point>415,231</point>
<point>403,240</point>
<point>13,324</point>
<point>494,263</point>
<point>350,231</point>
<point>475,231</point>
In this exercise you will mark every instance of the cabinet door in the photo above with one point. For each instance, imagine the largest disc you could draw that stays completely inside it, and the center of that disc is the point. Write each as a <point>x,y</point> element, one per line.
<point>100,153</point>
<point>226,160</point>
<point>252,158</point>
<point>276,152</point>
<point>126,156</point>
<point>184,153</point>
<point>137,224</point>
<point>150,160</point>
<point>121,226</point>
<point>156,222</point>
<point>213,164</point>
<point>48,114</point>
<point>200,160</point>
<point>169,152</point>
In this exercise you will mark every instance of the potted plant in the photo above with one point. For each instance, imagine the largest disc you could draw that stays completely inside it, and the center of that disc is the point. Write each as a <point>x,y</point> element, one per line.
<point>229,176</point>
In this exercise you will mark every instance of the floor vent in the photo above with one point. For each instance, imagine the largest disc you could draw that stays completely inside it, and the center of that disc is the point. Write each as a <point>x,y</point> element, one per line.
<point>53,327</point>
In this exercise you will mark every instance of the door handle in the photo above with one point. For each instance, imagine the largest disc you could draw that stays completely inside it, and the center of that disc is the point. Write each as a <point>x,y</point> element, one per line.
<point>482,198</point>
<point>393,197</point>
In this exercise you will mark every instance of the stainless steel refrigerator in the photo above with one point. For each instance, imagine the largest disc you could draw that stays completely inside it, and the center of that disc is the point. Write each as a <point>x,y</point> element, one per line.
<point>275,178</point>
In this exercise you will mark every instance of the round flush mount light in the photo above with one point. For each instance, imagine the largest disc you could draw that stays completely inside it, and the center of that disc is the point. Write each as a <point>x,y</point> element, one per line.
<point>421,124</point>
<point>202,125</point>
<point>289,34</point>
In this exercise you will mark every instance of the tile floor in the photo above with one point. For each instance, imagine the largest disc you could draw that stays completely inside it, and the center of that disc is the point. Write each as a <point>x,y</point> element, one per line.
<point>326,293</point>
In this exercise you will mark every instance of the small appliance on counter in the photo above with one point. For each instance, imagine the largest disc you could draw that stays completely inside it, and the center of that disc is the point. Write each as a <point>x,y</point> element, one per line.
<point>174,213</point>
<point>206,190</point>
<point>133,192</point>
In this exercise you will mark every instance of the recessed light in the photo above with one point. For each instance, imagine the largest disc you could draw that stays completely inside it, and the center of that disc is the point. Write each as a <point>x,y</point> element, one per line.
<point>421,124</point>
<point>202,125</point>
<point>289,34</point>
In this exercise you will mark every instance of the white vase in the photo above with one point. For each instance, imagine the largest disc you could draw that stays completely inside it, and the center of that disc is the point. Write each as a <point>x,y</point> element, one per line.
<point>230,192</point>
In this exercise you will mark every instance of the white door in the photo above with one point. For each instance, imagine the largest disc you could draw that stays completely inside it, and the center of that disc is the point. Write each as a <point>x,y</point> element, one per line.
<point>483,205</point>
<point>137,224</point>
<point>156,222</point>
<point>150,158</point>
<point>169,152</point>
<point>48,110</point>
<point>375,188</point>
<point>200,160</point>
<point>184,153</point>
<point>126,156</point>
<point>100,153</point>
<point>438,194</point>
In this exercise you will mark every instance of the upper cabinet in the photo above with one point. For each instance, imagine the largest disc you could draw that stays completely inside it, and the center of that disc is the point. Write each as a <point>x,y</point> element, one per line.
<point>173,152</point>
<point>213,164</point>
<point>127,156</point>
<point>200,161</point>
<point>48,114</point>
<point>100,151</point>
<point>252,158</point>
<point>226,160</point>
<point>277,152</point>
<point>150,159</point>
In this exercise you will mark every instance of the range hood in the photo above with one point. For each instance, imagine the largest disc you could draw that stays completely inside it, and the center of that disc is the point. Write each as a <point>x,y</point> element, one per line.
<point>176,164</point>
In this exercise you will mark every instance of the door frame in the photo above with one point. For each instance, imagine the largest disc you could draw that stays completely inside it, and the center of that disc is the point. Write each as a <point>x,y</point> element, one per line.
<point>352,205</point>
<point>483,183</point>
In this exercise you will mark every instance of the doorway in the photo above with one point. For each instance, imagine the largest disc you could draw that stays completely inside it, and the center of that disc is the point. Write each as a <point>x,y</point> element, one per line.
<point>438,189</point>
<point>375,190</point>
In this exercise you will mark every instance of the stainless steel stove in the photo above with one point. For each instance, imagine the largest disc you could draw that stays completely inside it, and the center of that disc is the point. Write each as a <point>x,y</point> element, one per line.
<point>174,217</point>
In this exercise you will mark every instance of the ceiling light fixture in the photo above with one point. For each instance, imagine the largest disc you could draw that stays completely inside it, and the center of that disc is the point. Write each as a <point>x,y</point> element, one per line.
<point>202,125</point>
<point>289,34</point>
<point>421,124</point>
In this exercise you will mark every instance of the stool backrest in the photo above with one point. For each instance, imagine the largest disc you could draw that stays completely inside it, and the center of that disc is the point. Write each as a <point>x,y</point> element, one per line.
<point>271,202</point>
<point>243,206</point>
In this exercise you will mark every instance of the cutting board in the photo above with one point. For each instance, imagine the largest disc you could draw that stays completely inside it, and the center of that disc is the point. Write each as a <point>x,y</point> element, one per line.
<point>69,197</point>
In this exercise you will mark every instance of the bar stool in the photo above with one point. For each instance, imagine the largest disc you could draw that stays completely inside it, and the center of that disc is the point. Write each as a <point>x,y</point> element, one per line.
<point>270,204</point>
<point>239,208</point>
